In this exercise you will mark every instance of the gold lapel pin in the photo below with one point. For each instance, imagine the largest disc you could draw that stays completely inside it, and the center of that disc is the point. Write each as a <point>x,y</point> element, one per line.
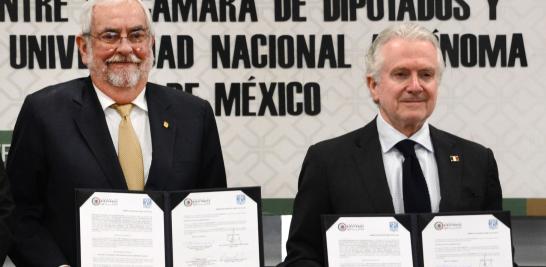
<point>166,124</point>
<point>454,158</point>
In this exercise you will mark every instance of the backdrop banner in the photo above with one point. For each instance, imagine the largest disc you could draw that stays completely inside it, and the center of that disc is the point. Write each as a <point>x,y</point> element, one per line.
<point>284,74</point>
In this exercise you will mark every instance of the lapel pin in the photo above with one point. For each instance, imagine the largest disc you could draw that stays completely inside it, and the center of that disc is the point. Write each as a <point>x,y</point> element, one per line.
<point>166,124</point>
<point>454,158</point>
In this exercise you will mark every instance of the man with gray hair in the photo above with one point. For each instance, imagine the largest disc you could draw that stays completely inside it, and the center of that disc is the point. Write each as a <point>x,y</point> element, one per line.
<point>111,130</point>
<point>397,163</point>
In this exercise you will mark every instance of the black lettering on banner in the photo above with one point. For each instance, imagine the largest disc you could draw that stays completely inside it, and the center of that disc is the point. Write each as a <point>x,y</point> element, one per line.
<point>425,10</point>
<point>184,52</point>
<point>230,102</point>
<point>13,51</point>
<point>397,10</point>
<point>450,49</point>
<point>205,10</point>
<point>375,16</point>
<point>294,108</point>
<point>66,53</point>
<point>285,51</point>
<point>462,12</point>
<point>220,50</point>
<point>247,97</point>
<point>30,51</point>
<point>493,9</point>
<point>285,46</point>
<point>44,10</point>
<point>26,10</point>
<point>289,9</point>
<point>275,99</point>
<point>469,50</point>
<point>58,12</point>
<point>37,50</point>
<point>444,10</point>
<point>259,60</point>
<point>165,53</point>
<point>492,52</point>
<point>406,6</point>
<point>344,10</point>
<point>9,7</point>
<point>311,96</point>
<point>187,87</point>
<point>267,99</point>
<point>517,51</point>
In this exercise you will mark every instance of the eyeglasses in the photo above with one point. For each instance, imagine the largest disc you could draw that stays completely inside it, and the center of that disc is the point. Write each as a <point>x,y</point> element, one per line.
<point>112,38</point>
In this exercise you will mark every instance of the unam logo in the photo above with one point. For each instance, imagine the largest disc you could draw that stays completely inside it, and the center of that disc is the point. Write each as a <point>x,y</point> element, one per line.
<point>241,199</point>
<point>95,201</point>
<point>493,224</point>
<point>342,227</point>
<point>393,226</point>
<point>147,202</point>
<point>438,226</point>
<point>188,202</point>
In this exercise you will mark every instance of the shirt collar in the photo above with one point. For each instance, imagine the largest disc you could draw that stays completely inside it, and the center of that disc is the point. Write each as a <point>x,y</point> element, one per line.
<point>106,101</point>
<point>389,136</point>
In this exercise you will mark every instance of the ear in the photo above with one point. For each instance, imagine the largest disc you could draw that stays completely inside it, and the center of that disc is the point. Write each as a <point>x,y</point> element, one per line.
<point>82,46</point>
<point>372,86</point>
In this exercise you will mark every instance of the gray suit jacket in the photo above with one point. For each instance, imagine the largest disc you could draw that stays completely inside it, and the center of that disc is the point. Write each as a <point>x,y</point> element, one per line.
<point>346,175</point>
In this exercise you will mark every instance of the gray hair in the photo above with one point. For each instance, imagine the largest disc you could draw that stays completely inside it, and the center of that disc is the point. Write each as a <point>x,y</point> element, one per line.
<point>86,18</point>
<point>407,31</point>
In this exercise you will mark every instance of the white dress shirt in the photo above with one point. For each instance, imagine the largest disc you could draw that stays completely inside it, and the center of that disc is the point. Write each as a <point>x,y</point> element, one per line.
<point>139,119</point>
<point>393,159</point>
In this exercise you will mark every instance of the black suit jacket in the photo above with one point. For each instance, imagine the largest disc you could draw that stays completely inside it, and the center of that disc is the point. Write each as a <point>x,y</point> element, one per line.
<point>61,142</point>
<point>6,206</point>
<point>346,175</point>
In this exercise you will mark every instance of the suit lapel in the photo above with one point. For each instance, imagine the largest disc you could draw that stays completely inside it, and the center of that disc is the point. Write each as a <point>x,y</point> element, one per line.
<point>163,129</point>
<point>92,126</point>
<point>449,170</point>
<point>369,161</point>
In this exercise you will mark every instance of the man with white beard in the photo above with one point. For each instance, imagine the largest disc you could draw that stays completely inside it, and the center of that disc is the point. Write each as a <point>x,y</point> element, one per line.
<point>111,130</point>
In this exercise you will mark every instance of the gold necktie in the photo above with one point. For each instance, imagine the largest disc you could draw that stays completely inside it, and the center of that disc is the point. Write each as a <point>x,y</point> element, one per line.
<point>129,152</point>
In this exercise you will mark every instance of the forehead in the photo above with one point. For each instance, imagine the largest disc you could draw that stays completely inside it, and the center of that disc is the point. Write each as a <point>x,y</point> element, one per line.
<point>118,14</point>
<point>403,53</point>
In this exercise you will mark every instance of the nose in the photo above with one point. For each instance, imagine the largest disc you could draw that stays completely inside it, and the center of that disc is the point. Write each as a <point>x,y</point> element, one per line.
<point>124,47</point>
<point>414,85</point>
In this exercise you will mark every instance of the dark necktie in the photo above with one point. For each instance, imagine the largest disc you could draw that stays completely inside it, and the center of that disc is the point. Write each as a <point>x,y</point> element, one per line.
<point>416,196</point>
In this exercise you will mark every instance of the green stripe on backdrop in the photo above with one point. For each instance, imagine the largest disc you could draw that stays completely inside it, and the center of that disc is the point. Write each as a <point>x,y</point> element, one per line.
<point>282,206</point>
<point>5,137</point>
<point>277,206</point>
<point>516,206</point>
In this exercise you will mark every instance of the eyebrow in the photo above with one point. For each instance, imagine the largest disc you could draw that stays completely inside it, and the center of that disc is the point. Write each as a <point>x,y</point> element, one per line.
<point>131,29</point>
<point>428,69</point>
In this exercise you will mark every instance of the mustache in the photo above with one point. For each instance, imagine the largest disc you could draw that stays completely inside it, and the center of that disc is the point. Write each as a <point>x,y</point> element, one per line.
<point>117,58</point>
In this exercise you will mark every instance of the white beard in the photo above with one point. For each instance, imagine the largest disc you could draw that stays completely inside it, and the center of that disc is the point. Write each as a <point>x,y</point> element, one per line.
<point>127,77</point>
